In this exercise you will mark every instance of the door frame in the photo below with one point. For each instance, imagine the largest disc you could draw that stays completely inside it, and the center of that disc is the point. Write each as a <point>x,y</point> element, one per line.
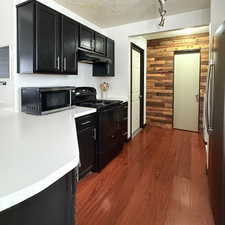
<point>142,53</point>
<point>188,51</point>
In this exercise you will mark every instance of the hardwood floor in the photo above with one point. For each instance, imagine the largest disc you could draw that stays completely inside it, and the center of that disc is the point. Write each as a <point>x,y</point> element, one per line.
<point>158,179</point>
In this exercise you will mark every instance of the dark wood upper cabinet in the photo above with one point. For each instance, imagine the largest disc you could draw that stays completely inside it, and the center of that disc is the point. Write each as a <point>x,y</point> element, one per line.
<point>106,69</point>
<point>86,38</point>
<point>47,40</point>
<point>25,38</point>
<point>70,31</point>
<point>100,43</point>
<point>111,55</point>
<point>91,40</point>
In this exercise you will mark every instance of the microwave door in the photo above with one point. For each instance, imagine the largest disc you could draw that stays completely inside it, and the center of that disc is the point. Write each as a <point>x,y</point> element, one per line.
<point>53,101</point>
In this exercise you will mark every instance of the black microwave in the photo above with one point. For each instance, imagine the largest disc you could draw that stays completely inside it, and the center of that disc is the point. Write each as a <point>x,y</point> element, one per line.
<point>45,100</point>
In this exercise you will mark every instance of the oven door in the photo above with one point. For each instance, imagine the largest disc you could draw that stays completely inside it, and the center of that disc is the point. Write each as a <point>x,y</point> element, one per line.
<point>55,100</point>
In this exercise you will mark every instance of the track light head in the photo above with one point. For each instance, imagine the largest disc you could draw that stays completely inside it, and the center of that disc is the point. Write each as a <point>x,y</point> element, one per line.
<point>162,12</point>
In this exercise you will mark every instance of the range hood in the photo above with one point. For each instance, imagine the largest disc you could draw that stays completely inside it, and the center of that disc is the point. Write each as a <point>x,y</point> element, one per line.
<point>91,57</point>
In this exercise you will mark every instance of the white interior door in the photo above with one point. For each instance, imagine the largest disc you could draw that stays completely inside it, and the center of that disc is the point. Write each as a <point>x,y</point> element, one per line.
<point>136,72</point>
<point>186,91</point>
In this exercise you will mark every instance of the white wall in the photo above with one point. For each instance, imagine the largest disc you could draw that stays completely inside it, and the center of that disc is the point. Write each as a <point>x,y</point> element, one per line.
<point>6,39</point>
<point>217,14</point>
<point>84,77</point>
<point>121,83</point>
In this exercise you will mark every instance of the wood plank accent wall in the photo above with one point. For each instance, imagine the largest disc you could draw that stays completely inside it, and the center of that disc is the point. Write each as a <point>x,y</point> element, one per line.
<point>160,71</point>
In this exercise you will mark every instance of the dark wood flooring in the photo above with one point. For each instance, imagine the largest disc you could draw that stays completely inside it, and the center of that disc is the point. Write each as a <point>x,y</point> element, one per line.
<point>158,179</point>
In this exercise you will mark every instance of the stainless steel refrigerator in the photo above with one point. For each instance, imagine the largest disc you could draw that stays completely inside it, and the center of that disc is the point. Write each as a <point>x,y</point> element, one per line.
<point>215,122</point>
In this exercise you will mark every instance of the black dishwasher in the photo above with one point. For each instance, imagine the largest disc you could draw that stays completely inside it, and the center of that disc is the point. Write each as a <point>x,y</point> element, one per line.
<point>86,132</point>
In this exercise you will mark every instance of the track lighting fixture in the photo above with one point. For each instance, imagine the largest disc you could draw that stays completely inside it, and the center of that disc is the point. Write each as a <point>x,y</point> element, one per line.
<point>162,12</point>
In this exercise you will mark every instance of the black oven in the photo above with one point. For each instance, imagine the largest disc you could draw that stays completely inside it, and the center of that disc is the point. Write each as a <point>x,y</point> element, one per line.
<point>45,100</point>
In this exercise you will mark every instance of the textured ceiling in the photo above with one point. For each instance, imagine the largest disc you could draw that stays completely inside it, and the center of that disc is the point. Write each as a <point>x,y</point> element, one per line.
<point>107,13</point>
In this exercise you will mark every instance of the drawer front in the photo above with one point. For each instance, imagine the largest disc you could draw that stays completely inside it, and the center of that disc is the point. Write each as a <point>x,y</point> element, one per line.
<point>85,122</point>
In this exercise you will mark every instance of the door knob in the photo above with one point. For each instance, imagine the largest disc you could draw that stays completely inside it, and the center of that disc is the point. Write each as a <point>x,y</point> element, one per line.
<point>197,97</point>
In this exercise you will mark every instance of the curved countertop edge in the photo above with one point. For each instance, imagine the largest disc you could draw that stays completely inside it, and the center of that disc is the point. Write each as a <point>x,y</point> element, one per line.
<point>32,190</point>
<point>25,193</point>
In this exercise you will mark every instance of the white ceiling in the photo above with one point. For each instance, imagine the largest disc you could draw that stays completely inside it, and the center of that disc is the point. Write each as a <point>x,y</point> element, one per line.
<point>107,13</point>
<point>174,33</point>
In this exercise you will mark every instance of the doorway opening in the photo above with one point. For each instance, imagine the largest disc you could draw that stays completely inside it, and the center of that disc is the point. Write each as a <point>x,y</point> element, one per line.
<point>186,90</point>
<point>137,90</point>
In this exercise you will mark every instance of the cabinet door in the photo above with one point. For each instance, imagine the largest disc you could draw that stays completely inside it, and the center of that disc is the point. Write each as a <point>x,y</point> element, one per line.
<point>48,40</point>
<point>106,69</point>
<point>54,205</point>
<point>86,38</point>
<point>87,149</point>
<point>69,45</point>
<point>100,43</point>
<point>125,121</point>
<point>49,207</point>
<point>110,54</point>
<point>25,38</point>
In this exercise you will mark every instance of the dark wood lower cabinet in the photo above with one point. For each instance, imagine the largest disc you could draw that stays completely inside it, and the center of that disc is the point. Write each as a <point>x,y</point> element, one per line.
<point>125,120</point>
<point>101,137</point>
<point>53,206</point>
<point>86,132</point>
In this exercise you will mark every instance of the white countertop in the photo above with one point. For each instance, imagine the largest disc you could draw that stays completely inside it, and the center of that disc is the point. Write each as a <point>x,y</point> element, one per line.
<point>35,151</point>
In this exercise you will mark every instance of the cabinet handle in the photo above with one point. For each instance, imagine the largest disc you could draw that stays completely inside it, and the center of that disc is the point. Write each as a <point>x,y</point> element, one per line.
<point>124,134</point>
<point>108,69</point>
<point>64,63</point>
<point>85,123</point>
<point>58,63</point>
<point>94,134</point>
<point>93,44</point>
